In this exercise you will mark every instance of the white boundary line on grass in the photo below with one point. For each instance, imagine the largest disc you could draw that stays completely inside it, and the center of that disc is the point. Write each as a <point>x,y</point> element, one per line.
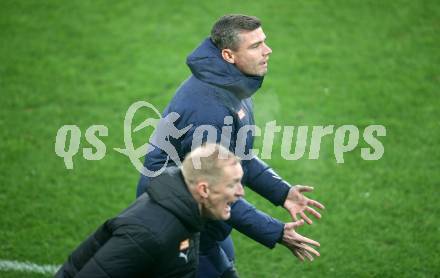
<point>6,265</point>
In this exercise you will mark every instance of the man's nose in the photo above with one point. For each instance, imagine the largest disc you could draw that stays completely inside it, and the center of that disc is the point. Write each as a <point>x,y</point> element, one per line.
<point>267,50</point>
<point>239,191</point>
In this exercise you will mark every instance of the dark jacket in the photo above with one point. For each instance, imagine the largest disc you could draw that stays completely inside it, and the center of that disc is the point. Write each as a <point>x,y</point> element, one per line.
<point>217,89</point>
<point>148,239</point>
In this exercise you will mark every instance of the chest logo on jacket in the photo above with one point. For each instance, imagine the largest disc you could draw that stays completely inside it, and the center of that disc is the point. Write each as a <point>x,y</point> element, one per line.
<point>183,248</point>
<point>241,114</point>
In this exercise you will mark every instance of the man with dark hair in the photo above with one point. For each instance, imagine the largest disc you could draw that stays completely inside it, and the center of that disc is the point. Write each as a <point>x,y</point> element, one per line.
<point>157,236</point>
<point>225,32</point>
<point>227,69</point>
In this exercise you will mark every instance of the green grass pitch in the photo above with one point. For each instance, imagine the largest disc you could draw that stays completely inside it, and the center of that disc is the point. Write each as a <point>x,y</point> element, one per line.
<point>333,63</point>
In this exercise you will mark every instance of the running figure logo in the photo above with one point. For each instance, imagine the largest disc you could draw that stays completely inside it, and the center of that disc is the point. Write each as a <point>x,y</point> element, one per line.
<point>164,129</point>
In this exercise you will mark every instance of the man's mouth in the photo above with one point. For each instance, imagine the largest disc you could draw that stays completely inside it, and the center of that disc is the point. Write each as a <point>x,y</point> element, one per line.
<point>228,206</point>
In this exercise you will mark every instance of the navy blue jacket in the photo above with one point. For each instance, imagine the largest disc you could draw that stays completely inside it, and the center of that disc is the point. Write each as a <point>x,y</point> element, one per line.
<point>217,89</point>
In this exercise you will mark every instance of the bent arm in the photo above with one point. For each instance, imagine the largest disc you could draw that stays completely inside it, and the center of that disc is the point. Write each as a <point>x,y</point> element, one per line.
<point>255,224</point>
<point>262,179</point>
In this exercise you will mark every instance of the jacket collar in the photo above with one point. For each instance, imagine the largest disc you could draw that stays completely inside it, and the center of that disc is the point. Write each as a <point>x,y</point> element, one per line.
<point>170,191</point>
<point>207,65</point>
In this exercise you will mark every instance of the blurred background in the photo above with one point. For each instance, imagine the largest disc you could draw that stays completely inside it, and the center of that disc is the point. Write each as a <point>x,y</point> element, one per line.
<point>333,63</point>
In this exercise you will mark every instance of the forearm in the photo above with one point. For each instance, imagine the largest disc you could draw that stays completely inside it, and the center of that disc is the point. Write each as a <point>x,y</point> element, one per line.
<point>255,224</point>
<point>262,179</point>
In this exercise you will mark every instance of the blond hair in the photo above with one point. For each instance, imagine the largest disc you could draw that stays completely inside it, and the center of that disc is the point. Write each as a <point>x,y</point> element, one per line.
<point>206,163</point>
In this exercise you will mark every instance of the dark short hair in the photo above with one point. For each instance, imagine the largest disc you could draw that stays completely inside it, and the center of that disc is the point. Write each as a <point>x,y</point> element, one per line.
<point>224,33</point>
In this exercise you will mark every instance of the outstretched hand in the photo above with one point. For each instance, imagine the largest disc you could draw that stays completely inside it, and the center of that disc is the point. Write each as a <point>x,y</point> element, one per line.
<point>297,203</point>
<point>297,243</point>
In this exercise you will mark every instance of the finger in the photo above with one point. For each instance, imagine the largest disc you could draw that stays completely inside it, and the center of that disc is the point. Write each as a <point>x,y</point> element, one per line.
<point>311,250</point>
<point>293,225</point>
<point>305,247</point>
<point>315,204</point>
<point>298,223</point>
<point>303,239</point>
<point>314,212</point>
<point>307,254</point>
<point>298,255</point>
<point>306,218</point>
<point>304,188</point>
<point>294,217</point>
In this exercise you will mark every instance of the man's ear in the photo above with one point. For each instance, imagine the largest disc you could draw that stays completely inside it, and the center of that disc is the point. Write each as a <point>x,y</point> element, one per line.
<point>202,189</point>
<point>228,56</point>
